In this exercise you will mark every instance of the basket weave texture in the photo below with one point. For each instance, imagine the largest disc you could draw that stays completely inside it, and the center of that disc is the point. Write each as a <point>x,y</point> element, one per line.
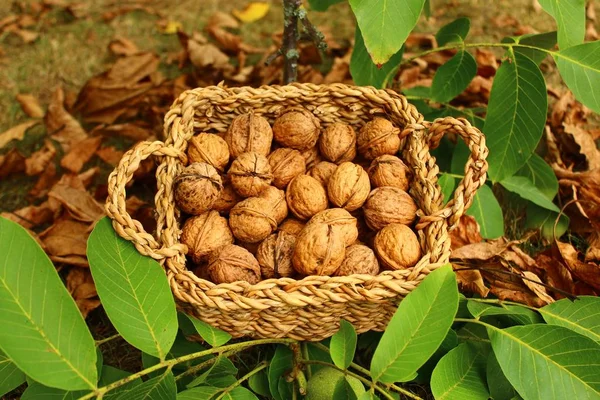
<point>311,308</point>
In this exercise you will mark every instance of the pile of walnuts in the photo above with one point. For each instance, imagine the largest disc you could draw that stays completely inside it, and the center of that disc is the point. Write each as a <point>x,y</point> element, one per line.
<point>296,199</point>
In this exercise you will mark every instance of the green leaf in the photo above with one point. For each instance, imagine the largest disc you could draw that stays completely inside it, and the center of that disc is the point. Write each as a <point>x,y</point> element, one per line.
<point>455,31</point>
<point>259,383</point>
<point>37,391</point>
<point>541,175</point>
<point>460,374</point>
<point>222,366</point>
<point>427,9</point>
<point>385,24</point>
<point>343,345</point>
<point>487,212</point>
<point>500,388</point>
<point>460,155</point>
<point>322,5</point>
<point>544,220</point>
<point>215,337</point>
<point>546,40</point>
<point>581,315</point>
<point>280,364</point>
<point>472,332</point>
<point>447,184</point>
<point>424,373</point>
<point>560,363</point>
<point>417,328</point>
<point>134,291</point>
<point>516,116</point>
<point>343,390</point>
<point>453,77</point>
<point>10,375</point>
<point>570,19</point>
<point>517,314</point>
<point>199,392</point>
<point>524,187</point>
<point>239,393</point>
<point>364,72</point>
<point>110,375</point>
<point>579,67</point>
<point>161,387</point>
<point>41,329</point>
<point>368,395</point>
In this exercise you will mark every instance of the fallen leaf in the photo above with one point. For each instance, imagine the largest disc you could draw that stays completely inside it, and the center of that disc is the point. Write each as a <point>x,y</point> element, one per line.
<point>81,205</point>
<point>586,143</point>
<point>31,216</point>
<point>471,280</point>
<point>222,20</point>
<point>466,232</point>
<point>87,177</point>
<point>26,36</point>
<point>170,27</point>
<point>15,133</point>
<point>128,130</point>
<point>480,251</point>
<point>30,105</point>
<point>203,55</point>
<point>226,39</point>
<point>39,161</point>
<point>66,237</point>
<point>587,272</point>
<point>121,46</point>
<point>486,63</point>
<point>121,10</point>
<point>558,276</point>
<point>110,155</point>
<point>517,296</point>
<point>80,153</point>
<point>46,180</point>
<point>81,286</point>
<point>61,125</point>
<point>539,290</point>
<point>252,12</point>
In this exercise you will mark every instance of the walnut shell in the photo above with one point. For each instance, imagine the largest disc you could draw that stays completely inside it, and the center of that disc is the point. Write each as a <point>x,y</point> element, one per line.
<point>340,220</point>
<point>251,220</point>
<point>389,205</point>
<point>319,250</point>
<point>251,247</point>
<point>297,129</point>
<point>274,255</point>
<point>286,164</point>
<point>249,133</point>
<point>397,247</point>
<point>359,260</point>
<point>305,197</point>
<point>227,199</point>
<point>349,186</point>
<point>233,263</point>
<point>278,202</point>
<point>322,172</point>
<point>378,137</point>
<point>338,143</point>
<point>250,174</point>
<point>292,226</point>
<point>389,170</point>
<point>201,271</point>
<point>311,157</point>
<point>197,187</point>
<point>209,148</point>
<point>205,233</point>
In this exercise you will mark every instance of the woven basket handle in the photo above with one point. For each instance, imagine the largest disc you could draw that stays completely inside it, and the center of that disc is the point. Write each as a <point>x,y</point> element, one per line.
<point>115,207</point>
<point>475,168</point>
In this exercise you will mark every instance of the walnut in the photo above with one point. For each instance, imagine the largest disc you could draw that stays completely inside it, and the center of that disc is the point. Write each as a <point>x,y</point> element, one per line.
<point>226,200</point>
<point>209,148</point>
<point>338,143</point>
<point>359,260</point>
<point>197,187</point>
<point>233,263</point>
<point>201,271</point>
<point>322,172</point>
<point>387,170</point>
<point>276,199</point>
<point>251,247</point>
<point>397,247</point>
<point>378,137</point>
<point>305,197</point>
<point>250,174</point>
<point>340,220</point>
<point>249,133</point>
<point>251,220</point>
<point>311,157</point>
<point>205,233</point>
<point>275,255</point>
<point>348,186</point>
<point>389,205</point>
<point>292,226</point>
<point>297,129</point>
<point>286,164</point>
<point>319,250</point>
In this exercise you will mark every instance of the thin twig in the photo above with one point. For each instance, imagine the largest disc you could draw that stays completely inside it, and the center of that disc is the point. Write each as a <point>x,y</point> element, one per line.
<point>100,342</point>
<point>237,383</point>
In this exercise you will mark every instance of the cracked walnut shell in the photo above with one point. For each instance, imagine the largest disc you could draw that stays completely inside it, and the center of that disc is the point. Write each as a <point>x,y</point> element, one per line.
<point>249,133</point>
<point>286,164</point>
<point>305,197</point>
<point>227,199</point>
<point>388,205</point>
<point>311,157</point>
<point>274,255</point>
<point>250,174</point>
<point>341,220</point>
<point>233,263</point>
<point>322,172</point>
<point>338,143</point>
<point>292,226</point>
<point>397,247</point>
<point>378,137</point>
<point>359,259</point>
<point>197,187</point>
<point>276,199</point>
<point>319,250</point>
<point>205,233</point>
<point>389,170</point>
<point>349,186</point>
<point>297,129</point>
<point>251,220</point>
<point>209,148</point>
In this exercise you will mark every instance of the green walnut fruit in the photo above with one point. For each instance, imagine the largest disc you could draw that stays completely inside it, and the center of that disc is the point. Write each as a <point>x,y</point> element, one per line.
<point>321,385</point>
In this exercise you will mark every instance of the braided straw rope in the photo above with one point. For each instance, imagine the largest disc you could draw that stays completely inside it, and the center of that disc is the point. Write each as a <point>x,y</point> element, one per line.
<point>307,309</point>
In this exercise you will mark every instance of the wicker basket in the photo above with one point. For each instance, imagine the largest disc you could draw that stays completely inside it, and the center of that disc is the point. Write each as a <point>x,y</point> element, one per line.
<point>311,308</point>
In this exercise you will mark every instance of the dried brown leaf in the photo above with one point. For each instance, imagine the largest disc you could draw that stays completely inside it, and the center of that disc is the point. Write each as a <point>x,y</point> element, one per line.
<point>66,238</point>
<point>480,251</point>
<point>39,161</point>
<point>222,20</point>
<point>31,216</point>
<point>471,280</point>
<point>110,155</point>
<point>203,55</point>
<point>46,180</point>
<point>61,125</point>
<point>466,232</point>
<point>558,276</point>
<point>587,272</point>
<point>128,130</point>
<point>539,290</point>
<point>30,105</point>
<point>81,286</point>
<point>586,143</point>
<point>121,46</point>
<point>15,133</point>
<point>70,192</point>
<point>26,36</point>
<point>80,153</point>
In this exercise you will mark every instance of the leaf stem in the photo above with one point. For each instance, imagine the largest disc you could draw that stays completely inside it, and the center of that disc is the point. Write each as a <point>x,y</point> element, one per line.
<point>503,302</point>
<point>196,368</point>
<point>234,348</point>
<point>100,342</point>
<point>237,383</point>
